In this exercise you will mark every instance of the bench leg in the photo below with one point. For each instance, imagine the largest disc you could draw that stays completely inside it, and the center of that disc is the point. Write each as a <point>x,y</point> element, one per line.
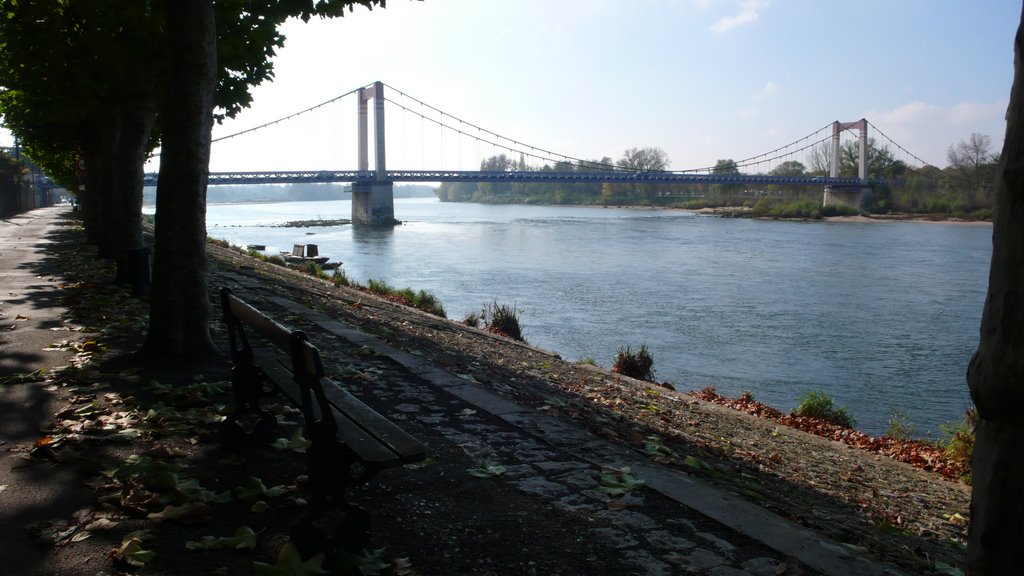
<point>333,523</point>
<point>249,420</point>
<point>331,530</point>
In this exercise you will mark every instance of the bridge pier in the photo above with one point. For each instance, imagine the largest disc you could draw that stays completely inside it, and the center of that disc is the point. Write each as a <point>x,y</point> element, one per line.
<point>855,197</point>
<point>373,203</point>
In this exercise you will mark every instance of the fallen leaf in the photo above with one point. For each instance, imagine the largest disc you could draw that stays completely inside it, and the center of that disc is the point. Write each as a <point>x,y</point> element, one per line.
<point>190,513</point>
<point>244,538</point>
<point>489,471</point>
<point>131,552</point>
<point>290,563</point>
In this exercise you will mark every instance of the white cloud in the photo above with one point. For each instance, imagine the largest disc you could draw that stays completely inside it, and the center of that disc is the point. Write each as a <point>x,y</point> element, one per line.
<point>928,130</point>
<point>750,11</point>
<point>769,89</point>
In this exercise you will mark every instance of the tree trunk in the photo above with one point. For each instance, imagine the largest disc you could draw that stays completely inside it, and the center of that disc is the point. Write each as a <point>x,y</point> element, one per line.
<point>98,143</point>
<point>996,373</point>
<point>179,306</point>
<point>137,113</point>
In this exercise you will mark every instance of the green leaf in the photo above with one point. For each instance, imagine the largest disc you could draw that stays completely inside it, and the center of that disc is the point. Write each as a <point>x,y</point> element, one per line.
<point>421,464</point>
<point>619,482</point>
<point>489,471</point>
<point>694,462</point>
<point>349,371</point>
<point>297,443</point>
<point>188,513</point>
<point>131,552</point>
<point>37,376</point>
<point>289,563</point>
<point>947,569</point>
<point>654,447</point>
<point>372,562</point>
<point>257,490</point>
<point>244,539</point>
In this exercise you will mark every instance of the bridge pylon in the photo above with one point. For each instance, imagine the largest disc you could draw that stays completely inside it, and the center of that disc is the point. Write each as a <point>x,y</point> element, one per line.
<point>373,201</point>
<point>853,196</point>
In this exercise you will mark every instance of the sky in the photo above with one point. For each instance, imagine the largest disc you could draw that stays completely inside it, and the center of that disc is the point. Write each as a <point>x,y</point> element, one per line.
<point>701,79</point>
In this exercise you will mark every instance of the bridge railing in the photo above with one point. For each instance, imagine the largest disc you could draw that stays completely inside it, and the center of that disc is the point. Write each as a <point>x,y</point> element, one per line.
<point>622,177</point>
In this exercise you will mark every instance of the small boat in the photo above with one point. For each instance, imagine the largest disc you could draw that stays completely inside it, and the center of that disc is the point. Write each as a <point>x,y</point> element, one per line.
<point>258,247</point>
<point>302,253</point>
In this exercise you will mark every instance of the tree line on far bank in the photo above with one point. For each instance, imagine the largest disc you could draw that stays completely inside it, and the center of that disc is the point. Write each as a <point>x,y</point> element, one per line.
<point>963,189</point>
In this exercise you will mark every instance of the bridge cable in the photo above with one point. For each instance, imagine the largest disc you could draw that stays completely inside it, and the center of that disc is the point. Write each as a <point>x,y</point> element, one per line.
<point>904,150</point>
<point>551,156</point>
<point>290,116</point>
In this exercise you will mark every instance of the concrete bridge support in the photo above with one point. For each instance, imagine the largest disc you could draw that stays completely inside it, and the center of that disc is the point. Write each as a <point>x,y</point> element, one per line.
<point>373,201</point>
<point>854,197</point>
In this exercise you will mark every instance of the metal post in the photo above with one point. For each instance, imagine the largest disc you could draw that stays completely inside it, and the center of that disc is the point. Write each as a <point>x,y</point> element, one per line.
<point>862,173</point>
<point>834,171</point>
<point>363,145</point>
<point>378,124</point>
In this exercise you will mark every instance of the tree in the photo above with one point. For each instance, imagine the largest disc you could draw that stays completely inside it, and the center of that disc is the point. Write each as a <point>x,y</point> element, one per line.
<point>644,160</point>
<point>179,325</point>
<point>820,159</point>
<point>970,162</point>
<point>109,56</point>
<point>789,168</point>
<point>727,166</point>
<point>881,162</point>
<point>996,372</point>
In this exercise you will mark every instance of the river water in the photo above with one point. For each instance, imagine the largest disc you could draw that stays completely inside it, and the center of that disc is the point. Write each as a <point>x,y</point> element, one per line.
<point>882,316</point>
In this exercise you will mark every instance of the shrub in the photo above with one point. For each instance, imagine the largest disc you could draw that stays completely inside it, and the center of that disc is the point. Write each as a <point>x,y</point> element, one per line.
<point>428,302</point>
<point>421,300</point>
<point>899,425</point>
<point>277,260</point>
<point>472,319</point>
<point>340,278</point>
<point>314,270</point>
<point>821,406</point>
<point>379,287</point>
<point>959,442</point>
<point>503,320</point>
<point>634,364</point>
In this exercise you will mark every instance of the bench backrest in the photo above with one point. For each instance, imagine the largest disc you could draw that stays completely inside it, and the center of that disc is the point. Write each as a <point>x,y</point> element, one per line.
<point>306,362</point>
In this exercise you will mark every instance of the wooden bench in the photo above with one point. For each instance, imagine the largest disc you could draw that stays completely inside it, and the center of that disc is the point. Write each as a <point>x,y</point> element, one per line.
<point>350,441</point>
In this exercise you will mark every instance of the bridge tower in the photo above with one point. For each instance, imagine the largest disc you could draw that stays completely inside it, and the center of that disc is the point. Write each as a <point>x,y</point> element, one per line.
<point>854,196</point>
<point>373,200</point>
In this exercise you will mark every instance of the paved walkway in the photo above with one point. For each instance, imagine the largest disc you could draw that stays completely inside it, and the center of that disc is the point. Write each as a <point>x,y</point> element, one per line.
<point>30,320</point>
<point>692,527</point>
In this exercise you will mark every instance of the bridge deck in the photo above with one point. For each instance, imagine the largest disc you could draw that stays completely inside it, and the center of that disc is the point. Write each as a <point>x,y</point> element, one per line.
<point>369,176</point>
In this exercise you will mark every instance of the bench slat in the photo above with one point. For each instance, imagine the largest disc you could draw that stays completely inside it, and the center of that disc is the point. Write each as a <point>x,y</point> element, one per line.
<point>406,447</point>
<point>350,432</point>
<point>277,334</point>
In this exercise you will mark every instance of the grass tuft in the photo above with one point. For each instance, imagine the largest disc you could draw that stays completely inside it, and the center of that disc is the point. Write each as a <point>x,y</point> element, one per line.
<point>503,320</point>
<point>637,364</point>
<point>821,406</point>
<point>958,445</point>
<point>422,299</point>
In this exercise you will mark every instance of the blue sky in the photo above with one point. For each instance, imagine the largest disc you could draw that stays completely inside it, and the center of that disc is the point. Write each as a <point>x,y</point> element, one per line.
<point>701,79</point>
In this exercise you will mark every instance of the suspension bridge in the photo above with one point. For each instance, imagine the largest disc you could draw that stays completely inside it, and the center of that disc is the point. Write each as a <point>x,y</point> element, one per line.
<point>372,187</point>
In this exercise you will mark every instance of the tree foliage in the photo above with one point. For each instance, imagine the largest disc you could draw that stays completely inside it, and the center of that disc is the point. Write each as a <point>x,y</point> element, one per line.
<point>83,78</point>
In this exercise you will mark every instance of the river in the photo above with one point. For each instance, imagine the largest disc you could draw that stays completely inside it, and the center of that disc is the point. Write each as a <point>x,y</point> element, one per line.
<point>882,316</point>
